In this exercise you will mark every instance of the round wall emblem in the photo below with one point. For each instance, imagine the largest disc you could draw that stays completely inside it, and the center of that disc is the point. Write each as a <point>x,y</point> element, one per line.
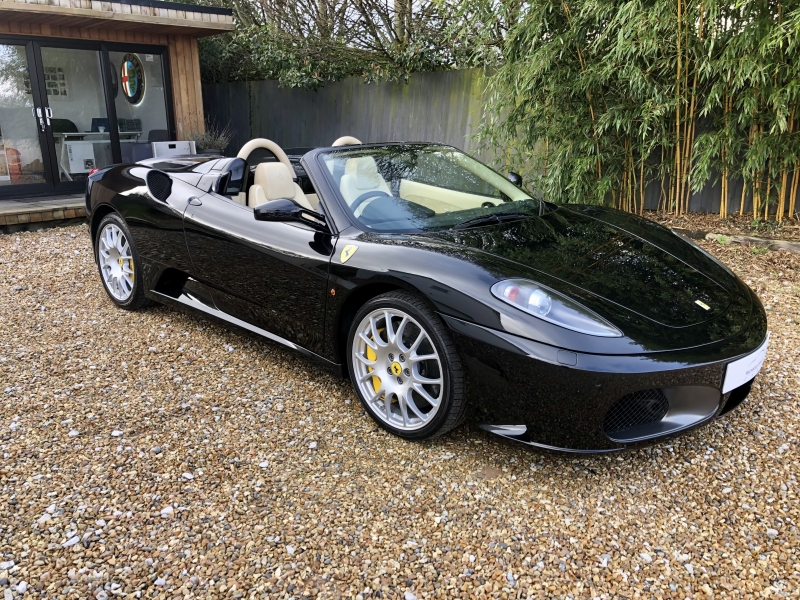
<point>132,78</point>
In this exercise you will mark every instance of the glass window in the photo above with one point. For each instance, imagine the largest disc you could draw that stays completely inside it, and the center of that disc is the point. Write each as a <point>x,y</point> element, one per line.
<point>418,187</point>
<point>20,151</point>
<point>74,88</point>
<point>140,102</point>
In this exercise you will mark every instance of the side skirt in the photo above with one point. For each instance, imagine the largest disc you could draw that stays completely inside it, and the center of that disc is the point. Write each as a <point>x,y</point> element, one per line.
<point>189,300</point>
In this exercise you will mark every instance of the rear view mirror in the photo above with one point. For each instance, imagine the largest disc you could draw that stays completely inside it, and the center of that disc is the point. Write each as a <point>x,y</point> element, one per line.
<point>286,209</point>
<point>515,178</point>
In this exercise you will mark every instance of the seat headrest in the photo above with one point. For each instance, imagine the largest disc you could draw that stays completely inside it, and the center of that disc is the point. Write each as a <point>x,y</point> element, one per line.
<point>276,179</point>
<point>364,173</point>
<point>346,140</point>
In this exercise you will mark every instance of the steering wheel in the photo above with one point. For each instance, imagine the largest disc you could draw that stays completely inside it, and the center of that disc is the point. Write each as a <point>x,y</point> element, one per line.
<point>366,196</point>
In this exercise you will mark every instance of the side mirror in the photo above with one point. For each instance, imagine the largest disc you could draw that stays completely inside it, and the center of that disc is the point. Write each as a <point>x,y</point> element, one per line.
<point>233,178</point>
<point>286,209</point>
<point>515,178</point>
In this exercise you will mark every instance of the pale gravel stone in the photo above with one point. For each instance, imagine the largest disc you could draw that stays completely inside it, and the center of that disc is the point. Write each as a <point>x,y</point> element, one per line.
<point>167,511</point>
<point>6,565</point>
<point>188,476</point>
<point>550,526</point>
<point>71,541</point>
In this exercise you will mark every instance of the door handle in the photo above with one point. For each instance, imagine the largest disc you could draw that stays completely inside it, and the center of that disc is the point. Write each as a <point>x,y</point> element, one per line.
<point>193,201</point>
<point>37,114</point>
<point>48,113</point>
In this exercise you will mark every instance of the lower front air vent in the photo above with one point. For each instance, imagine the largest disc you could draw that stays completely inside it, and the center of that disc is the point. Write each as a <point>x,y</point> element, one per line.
<point>635,410</point>
<point>159,184</point>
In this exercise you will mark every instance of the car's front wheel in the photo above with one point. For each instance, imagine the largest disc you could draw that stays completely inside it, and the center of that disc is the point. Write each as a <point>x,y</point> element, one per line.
<point>119,264</point>
<point>404,367</point>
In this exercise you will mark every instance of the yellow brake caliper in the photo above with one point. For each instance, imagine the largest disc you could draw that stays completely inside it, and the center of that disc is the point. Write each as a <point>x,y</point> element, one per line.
<point>376,381</point>
<point>130,262</point>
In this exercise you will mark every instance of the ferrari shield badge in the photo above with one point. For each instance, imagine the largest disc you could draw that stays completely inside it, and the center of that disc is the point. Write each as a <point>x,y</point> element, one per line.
<point>347,252</point>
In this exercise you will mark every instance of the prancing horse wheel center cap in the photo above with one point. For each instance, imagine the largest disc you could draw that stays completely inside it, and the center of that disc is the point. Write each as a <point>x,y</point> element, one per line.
<point>396,368</point>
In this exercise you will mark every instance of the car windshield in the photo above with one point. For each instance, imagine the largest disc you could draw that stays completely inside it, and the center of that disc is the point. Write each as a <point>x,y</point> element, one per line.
<point>422,187</point>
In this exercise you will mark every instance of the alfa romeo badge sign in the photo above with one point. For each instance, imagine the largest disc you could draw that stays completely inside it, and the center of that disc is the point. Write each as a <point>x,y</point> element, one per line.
<point>132,78</point>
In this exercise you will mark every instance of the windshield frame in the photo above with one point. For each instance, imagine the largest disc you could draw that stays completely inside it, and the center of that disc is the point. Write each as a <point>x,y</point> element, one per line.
<point>328,191</point>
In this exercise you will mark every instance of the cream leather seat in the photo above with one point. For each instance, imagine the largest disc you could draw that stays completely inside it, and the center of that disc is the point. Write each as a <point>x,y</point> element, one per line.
<point>273,180</point>
<point>360,176</point>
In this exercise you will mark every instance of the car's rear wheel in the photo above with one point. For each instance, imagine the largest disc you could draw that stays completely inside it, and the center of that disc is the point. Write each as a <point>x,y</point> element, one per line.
<point>404,367</point>
<point>119,263</point>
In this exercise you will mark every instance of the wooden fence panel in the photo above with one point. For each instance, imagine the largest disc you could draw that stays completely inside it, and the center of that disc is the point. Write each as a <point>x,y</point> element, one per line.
<point>440,107</point>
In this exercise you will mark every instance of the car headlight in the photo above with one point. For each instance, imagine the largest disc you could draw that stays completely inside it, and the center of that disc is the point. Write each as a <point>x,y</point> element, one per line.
<point>550,306</point>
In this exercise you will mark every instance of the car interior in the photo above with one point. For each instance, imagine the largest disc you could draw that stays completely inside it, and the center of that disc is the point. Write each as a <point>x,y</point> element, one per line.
<point>272,173</point>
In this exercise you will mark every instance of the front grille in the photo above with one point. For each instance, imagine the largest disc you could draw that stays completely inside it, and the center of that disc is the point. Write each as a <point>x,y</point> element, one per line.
<point>635,410</point>
<point>159,184</point>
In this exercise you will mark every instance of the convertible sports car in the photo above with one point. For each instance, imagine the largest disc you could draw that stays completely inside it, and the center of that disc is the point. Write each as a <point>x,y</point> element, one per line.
<point>435,284</point>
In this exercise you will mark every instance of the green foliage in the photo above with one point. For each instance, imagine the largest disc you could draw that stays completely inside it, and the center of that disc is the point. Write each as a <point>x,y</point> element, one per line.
<point>597,98</point>
<point>344,38</point>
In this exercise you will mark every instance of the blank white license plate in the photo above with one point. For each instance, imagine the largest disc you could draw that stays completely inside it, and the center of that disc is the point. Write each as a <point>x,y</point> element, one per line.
<point>743,370</point>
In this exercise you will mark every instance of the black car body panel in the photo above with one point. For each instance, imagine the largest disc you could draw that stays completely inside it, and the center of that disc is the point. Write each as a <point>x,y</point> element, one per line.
<point>545,384</point>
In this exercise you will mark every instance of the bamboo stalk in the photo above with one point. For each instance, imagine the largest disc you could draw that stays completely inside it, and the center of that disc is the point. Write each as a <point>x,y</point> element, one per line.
<point>641,185</point>
<point>766,197</point>
<point>785,176</point>
<point>662,198</point>
<point>690,123</point>
<point>757,195</point>
<point>795,185</point>
<point>546,154</point>
<point>744,193</point>
<point>678,118</point>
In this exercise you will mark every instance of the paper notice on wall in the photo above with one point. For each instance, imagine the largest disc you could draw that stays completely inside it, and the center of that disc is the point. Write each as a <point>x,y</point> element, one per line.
<point>148,58</point>
<point>4,172</point>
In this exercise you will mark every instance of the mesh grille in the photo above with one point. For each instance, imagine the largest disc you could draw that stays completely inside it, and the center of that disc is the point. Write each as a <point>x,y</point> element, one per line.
<point>159,184</point>
<point>636,409</point>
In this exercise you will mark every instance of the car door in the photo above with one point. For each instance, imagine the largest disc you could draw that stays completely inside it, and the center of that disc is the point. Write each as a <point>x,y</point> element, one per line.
<point>272,275</point>
<point>155,219</point>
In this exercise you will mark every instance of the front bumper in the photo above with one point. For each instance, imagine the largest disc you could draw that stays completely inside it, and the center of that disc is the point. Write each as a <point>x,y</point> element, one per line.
<point>563,400</point>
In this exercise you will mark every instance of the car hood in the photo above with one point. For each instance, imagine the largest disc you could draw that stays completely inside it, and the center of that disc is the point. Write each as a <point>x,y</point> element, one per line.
<point>633,263</point>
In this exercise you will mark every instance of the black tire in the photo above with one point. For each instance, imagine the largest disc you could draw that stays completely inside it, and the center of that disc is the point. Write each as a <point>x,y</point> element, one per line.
<point>136,299</point>
<point>453,404</point>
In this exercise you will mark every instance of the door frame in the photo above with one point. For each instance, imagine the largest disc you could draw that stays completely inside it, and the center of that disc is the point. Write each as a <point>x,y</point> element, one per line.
<point>33,46</point>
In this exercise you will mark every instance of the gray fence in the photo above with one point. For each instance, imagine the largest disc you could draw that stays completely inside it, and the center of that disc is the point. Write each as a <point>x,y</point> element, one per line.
<point>444,107</point>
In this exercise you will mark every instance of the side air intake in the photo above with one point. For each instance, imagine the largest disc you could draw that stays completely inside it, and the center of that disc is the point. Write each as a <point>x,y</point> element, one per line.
<point>635,410</point>
<point>159,184</point>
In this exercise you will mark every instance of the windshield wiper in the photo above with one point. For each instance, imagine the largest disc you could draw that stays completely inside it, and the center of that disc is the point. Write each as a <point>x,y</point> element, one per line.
<point>492,219</point>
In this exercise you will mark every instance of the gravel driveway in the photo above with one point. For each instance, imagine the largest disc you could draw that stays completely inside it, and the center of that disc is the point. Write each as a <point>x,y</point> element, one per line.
<point>158,455</point>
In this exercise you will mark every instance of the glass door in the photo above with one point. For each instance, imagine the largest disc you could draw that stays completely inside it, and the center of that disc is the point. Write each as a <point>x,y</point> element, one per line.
<point>77,113</point>
<point>67,107</point>
<point>24,168</point>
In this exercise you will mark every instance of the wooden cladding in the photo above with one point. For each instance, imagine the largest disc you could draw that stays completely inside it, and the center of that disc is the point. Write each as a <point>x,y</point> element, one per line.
<point>187,94</point>
<point>184,61</point>
<point>118,15</point>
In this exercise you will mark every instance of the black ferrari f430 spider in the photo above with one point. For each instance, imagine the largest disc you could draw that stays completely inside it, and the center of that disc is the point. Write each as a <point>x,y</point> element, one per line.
<point>436,284</point>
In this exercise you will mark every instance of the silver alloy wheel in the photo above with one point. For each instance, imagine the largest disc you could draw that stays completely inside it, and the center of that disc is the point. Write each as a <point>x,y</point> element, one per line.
<point>397,369</point>
<point>116,262</point>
